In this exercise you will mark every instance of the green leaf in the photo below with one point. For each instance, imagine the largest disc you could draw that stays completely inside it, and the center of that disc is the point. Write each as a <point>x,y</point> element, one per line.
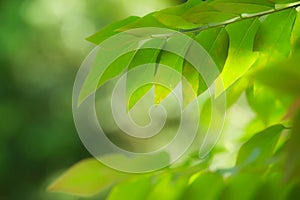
<point>216,42</point>
<point>174,21</point>
<point>146,21</point>
<point>146,57</point>
<point>168,187</point>
<point>134,189</point>
<point>190,84</point>
<point>266,103</point>
<point>162,75</point>
<point>139,163</point>
<point>134,96</point>
<point>172,17</point>
<point>86,178</point>
<point>242,186</point>
<point>292,165</point>
<point>204,14</point>
<point>116,68</point>
<point>283,77</point>
<point>240,56</point>
<point>106,56</point>
<point>111,30</point>
<point>273,36</point>
<point>234,92</point>
<point>206,186</point>
<point>191,15</point>
<point>294,192</point>
<point>242,7</point>
<point>272,188</point>
<point>256,153</point>
<point>200,15</point>
<point>295,37</point>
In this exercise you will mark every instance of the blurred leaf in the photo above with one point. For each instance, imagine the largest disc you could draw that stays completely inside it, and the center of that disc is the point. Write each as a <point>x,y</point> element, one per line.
<point>294,192</point>
<point>206,186</point>
<point>133,189</point>
<point>272,188</point>
<point>256,153</point>
<point>168,187</point>
<point>241,186</point>
<point>139,163</point>
<point>111,30</point>
<point>234,92</point>
<point>240,55</point>
<point>266,103</point>
<point>86,178</point>
<point>254,126</point>
<point>292,165</point>
<point>283,77</point>
<point>293,108</point>
<point>205,118</point>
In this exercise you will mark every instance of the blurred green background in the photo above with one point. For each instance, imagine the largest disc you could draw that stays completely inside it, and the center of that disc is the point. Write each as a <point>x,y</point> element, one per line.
<point>42,44</point>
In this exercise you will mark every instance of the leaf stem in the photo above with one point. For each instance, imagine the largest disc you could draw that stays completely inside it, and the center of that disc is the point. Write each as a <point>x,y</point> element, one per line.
<point>237,19</point>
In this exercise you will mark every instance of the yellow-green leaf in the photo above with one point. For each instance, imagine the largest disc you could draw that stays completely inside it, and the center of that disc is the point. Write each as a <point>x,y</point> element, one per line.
<point>86,178</point>
<point>240,56</point>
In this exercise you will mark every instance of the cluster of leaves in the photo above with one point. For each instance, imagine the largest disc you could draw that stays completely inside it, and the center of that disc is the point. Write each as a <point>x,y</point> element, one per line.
<point>256,46</point>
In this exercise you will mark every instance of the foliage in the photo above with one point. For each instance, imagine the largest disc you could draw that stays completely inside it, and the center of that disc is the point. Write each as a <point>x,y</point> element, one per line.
<point>42,45</point>
<point>256,46</point>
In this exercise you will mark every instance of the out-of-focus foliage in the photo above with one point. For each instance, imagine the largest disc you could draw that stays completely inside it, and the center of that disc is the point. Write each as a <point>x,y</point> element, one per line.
<point>87,178</point>
<point>257,52</point>
<point>41,48</point>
